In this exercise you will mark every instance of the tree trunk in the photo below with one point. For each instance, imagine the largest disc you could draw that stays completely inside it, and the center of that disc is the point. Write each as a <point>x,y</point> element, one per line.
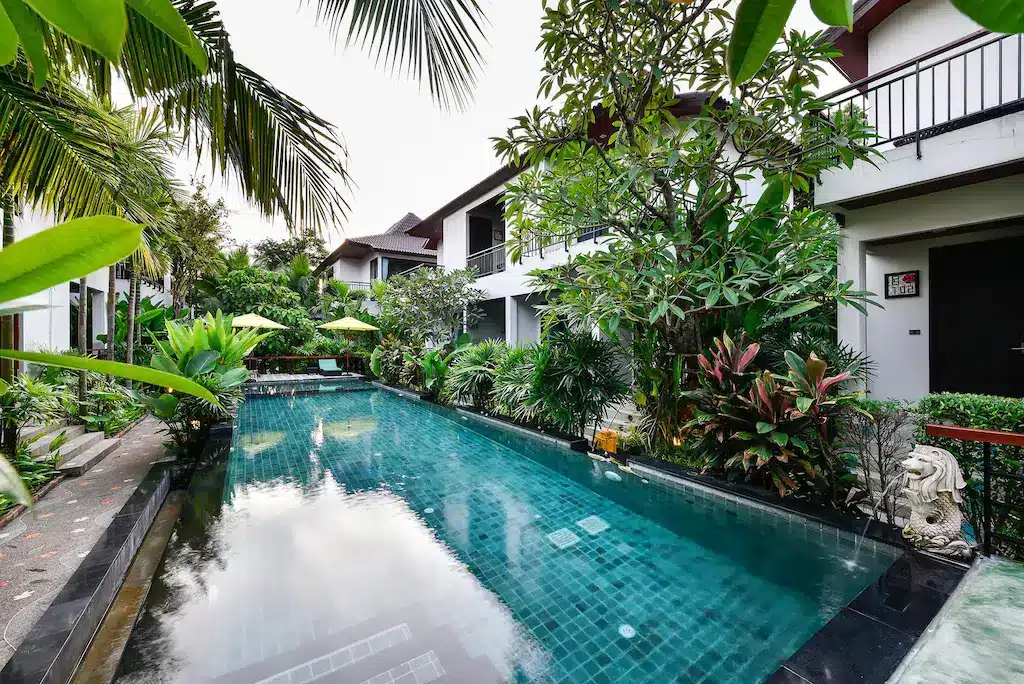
<point>83,338</point>
<point>8,368</point>
<point>111,310</point>
<point>133,294</point>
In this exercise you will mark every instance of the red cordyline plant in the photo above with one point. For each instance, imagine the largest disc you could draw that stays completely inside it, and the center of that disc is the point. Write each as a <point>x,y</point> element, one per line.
<point>774,429</point>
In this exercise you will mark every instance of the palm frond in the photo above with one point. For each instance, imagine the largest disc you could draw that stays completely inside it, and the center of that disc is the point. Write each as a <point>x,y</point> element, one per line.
<point>435,39</point>
<point>286,160</point>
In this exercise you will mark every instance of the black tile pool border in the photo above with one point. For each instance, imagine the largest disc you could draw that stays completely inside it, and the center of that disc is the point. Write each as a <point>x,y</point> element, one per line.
<point>56,643</point>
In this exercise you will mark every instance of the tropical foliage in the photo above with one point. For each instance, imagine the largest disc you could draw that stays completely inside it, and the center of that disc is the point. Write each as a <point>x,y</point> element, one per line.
<point>778,431</point>
<point>274,254</point>
<point>210,353</point>
<point>199,229</point>
<point>471,378</point>
<point>429,304</point>
<point>688,252</point>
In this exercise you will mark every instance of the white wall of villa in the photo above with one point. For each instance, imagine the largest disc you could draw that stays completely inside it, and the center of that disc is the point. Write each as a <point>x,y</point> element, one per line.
<point>983,75</point>
<point>907,230</point>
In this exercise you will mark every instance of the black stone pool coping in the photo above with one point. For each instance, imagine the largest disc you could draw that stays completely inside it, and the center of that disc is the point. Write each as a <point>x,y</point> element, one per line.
<point>56,643</point>
<point>869,637</point>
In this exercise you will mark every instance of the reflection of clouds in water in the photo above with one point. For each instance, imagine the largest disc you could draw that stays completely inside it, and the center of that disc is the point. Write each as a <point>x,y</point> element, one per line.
<point>292,560</point>
<point>255,443</point>
<point>349,429</point>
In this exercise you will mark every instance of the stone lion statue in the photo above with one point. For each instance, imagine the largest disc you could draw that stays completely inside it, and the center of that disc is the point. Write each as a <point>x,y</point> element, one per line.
<point>933,488</point>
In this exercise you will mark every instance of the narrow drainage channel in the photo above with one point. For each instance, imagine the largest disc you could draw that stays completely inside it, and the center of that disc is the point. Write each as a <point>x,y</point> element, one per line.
<point>99,665</point>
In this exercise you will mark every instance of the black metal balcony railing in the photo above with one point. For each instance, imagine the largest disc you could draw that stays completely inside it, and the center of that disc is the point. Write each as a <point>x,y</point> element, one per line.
<point>951,87</point>
<point>488,261</point>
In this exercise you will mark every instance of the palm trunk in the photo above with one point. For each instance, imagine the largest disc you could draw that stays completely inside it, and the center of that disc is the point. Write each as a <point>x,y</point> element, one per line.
<point>111,310</point>
<point>8,368</point>
<point>83,338</point>
<point>138,310</point>
<point>133,294</point>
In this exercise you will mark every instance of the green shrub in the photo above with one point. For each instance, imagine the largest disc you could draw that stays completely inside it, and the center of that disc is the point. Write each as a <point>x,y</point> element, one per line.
<point>393,361</point>
<point>26,402</point>
<point>984,413</point>
<point>471,377</point>
<point>514,390</point>
<point>209,352</point>
<point>777,430</point>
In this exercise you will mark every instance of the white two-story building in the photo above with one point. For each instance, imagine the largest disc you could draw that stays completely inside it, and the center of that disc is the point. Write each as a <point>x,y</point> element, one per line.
<point>360,260</point>
<point>935,226</point>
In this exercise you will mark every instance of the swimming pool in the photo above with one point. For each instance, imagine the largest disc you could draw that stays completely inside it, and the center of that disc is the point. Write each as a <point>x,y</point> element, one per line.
<point>358,536</point>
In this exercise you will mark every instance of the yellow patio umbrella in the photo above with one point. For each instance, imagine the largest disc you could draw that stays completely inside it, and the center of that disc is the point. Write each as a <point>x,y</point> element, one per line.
<point>252,320</point>
<point>348,324</point>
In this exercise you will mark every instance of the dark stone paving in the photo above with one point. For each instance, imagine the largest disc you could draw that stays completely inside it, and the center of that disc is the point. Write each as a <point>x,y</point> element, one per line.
<point>40,551</point>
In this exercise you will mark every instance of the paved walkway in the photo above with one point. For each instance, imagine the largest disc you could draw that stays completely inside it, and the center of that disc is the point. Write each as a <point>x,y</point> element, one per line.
<point>979,636</point>
<point>38,553</point>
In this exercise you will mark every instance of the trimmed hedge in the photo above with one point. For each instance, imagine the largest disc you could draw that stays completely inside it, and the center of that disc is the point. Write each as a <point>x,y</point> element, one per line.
<point>984,413</point>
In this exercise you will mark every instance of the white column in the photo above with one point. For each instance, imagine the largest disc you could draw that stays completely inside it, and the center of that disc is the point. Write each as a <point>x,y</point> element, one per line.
<point>511,320</point>
<point>852,324</point>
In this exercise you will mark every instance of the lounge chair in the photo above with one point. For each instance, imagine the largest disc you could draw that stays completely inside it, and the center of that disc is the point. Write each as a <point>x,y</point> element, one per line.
<point>329,367</point>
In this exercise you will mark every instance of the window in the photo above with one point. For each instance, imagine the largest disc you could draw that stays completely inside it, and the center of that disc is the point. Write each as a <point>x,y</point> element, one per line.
<point>373,270</point>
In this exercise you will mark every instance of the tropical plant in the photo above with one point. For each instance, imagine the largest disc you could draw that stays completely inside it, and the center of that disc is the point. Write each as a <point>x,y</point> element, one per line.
<point>431,304</point>
<point>579,380</point>
<point>274,254</point>
<point>515,383</point>
<point>57,255</point>
<point>394,361</point>
<point>342,299</point>
<point>301,280</point>
<point>267,293</point>
<point>32,470</point>
<point>27,402</point>
<point>760,23</point>
<point>151,322</point>
<point>200,230</point>
<point>471,377</point>
<point>664,179</point>
<point>210,352</point>
<point>780,433</point>
<point>109,407</point>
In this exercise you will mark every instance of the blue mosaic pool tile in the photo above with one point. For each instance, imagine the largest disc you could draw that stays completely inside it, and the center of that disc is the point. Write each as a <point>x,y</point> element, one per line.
<point>711,591</point>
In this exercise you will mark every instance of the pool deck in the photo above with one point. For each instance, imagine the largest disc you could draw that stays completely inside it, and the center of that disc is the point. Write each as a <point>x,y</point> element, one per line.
<point>978,638</point>
<point>39,552</point>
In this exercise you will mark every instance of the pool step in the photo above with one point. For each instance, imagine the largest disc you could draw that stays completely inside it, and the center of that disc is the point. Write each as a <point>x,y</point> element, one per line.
<point>80,464</point>
<point>41,446</point>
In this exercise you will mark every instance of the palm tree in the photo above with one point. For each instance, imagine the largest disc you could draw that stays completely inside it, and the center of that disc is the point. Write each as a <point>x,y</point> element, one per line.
<point>287,160</point>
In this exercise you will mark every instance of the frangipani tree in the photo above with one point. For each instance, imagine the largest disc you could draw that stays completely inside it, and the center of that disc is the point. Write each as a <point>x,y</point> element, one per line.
<point>690,241</point>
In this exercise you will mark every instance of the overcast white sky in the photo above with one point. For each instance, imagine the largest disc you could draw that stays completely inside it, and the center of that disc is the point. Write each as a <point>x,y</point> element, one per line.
<point>405,153</point>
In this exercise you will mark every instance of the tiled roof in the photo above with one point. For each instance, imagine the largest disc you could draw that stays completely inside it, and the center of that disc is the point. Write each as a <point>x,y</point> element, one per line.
<point>394,239</point>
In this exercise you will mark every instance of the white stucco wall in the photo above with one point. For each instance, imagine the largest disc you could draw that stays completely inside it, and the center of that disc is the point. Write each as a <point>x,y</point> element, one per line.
<point>914,29</point>
<point>902,359</point>
<point>51,328</point>
<point>352,270</point>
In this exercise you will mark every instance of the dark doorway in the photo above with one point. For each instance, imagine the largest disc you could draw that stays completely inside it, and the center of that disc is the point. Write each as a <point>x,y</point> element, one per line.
<point>976,321</point>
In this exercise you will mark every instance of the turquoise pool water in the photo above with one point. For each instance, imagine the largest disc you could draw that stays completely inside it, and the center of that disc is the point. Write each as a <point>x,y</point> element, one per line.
<point>357,536</point>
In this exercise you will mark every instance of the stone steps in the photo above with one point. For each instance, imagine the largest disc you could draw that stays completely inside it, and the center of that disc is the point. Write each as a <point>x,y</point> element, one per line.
<point>41,446</point>
<point>80,464</point>
<point>31,431</point>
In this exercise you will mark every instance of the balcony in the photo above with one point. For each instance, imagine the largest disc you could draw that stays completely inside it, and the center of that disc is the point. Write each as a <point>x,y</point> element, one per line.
<point>948,107</point>
<point>488,261</point>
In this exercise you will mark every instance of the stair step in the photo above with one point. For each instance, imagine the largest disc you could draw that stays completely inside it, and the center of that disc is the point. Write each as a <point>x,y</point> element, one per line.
<point>75,446</point>
<point>42,445</point>
<point>78,465</point>
<point>31,431</point>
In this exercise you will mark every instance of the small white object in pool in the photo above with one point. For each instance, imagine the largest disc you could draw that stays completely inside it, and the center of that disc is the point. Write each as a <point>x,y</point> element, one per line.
<point>613,476</point>
<point>378,454</point>
<point>645,481</point>
<point>428,510</point>
<point>465,418</point>
<point>537,517</point>
<point>627,631</point>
